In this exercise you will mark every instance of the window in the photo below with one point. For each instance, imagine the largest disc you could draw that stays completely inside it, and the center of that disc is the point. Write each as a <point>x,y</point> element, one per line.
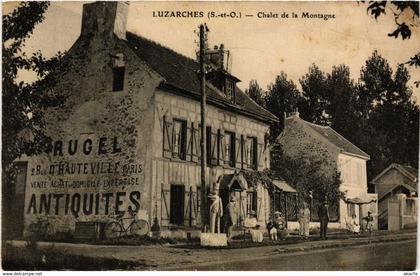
<point>252,152</point>
<point>350,210</point>
<point>118,78</point>
<point>230,148</point>
<point>252,203</point>
<point>179,139</point>
<point>230,89</point>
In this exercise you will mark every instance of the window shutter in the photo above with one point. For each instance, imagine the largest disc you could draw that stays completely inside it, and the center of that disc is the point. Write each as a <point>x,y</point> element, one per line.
<point>222,147</point>
<point>189,145</point>
<point>238,152</point>
<point>242,152</point>
<point>195,143</point>
<point>246,153</point>
<point>164,207</point>
<point>214,148</point>
<point>167,137</point>
<point>260,156</point>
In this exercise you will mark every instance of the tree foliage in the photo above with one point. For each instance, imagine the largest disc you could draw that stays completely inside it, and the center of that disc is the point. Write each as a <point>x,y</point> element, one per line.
<point>389,117</point>
<point>256,93</point>
<point>307,175</point>
<point>315,98</point>
<point>23,102</point>
<point>377,112</point>
<point>406,15</point>
<point>282,97</point>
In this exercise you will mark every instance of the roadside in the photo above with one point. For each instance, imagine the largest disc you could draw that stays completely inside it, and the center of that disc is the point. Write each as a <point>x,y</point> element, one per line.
<point>173,257</point>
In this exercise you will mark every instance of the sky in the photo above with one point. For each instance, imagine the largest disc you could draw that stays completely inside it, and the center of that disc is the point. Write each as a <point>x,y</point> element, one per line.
<point>260,48</point>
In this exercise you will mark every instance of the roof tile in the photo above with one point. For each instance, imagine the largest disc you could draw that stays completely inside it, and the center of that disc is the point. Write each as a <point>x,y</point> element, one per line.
<point>181,72</point>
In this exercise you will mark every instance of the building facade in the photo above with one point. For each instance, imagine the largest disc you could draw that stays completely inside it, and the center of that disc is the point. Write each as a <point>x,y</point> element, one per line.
<point>303,139</point>
<point>396,187</point>
<point>128,134</point>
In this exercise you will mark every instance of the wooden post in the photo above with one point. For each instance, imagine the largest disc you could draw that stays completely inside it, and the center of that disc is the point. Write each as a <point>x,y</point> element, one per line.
<point>285,207</point>
<point>190,203</point>
<point>203,126</point>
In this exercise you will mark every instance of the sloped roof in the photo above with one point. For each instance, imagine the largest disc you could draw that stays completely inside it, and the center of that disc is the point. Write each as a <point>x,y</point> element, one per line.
<point>335,138</point>
<point>409,188</point>
<point>180,73</point>
<point>408,171</point>
<point>283,186</point>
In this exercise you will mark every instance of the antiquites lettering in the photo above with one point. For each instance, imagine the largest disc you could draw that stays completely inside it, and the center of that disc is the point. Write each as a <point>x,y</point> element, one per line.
<point>87,203</point>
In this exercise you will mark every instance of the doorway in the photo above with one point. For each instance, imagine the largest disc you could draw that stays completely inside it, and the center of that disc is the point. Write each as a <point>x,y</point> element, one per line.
<point>177,204</point>
<point>14,198</point>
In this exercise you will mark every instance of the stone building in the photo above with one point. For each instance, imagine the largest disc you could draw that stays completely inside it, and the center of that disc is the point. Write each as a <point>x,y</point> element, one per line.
<point>396,187</point>
<point>303,139</point>
<point>127,135</point>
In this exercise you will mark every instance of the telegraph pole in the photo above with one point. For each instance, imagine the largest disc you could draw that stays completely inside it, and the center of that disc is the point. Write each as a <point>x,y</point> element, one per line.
<point>203,207</point>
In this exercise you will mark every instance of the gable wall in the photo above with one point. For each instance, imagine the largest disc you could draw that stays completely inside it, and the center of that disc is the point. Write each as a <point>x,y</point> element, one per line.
<point>391,179</point>
<point>76,187</point>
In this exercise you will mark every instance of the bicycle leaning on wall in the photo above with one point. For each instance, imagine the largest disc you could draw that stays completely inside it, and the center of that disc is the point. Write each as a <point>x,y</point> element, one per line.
<point>136,226</point>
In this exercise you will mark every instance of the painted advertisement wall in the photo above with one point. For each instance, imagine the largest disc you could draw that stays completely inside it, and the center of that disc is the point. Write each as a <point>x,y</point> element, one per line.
<point>95,168</point>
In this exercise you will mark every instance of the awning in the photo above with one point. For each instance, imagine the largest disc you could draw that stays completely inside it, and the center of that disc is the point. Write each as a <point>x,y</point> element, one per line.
<point>364,199</point>
<point>283,186</point>
<point>232,182</point>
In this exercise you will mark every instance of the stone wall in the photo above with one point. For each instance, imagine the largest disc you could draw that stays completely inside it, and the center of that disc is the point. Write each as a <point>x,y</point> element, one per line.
<point>97,165</point>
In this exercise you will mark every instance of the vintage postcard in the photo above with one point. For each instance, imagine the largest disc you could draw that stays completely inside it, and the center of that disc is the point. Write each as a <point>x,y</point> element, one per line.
<point>210,136</point>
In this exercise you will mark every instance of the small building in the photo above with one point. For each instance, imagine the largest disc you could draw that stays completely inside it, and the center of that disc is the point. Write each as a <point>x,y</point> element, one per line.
<point>396,187</point>
<point>128,134</point>
<point>301,138</point>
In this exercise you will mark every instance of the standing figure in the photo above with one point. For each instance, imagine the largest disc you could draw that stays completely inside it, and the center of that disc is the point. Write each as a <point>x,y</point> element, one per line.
<point>272,230</point>
<point>231,216</point>
<point>304,219</point>
<point>324,218</point>
<point>216,212</point>
<point>368,223</point>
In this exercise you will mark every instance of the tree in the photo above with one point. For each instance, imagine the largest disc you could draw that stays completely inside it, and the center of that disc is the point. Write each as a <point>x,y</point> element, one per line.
<point>282,97</point>
<point>315,99</point>
<point>406,15</point>
<point>307,175</point>
<point>256,93</point>
<point>388,115</point>
<point>23,102</point>
<point>341,93</point>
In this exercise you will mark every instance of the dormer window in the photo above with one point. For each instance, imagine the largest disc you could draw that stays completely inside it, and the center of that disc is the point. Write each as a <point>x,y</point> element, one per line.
<point>218,63</point>
<point>230,90</point>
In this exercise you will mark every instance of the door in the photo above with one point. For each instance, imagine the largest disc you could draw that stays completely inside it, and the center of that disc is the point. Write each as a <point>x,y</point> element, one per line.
<point>15,205</point>
<point>177,204</point>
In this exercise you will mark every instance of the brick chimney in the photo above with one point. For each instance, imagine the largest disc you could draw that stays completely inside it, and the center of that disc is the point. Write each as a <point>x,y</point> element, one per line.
<point>105,18</point>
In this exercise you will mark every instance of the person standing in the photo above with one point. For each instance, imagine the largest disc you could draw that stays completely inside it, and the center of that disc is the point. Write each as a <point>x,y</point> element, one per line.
<point>324,218</point>
<point>216,212</point>
<point>231,217</point>
<point>304,219</point>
